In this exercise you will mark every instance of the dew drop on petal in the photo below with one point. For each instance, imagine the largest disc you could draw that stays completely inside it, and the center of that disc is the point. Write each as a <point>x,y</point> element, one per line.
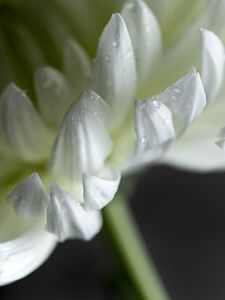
<point>143,139</point>
<point>174,97</point>
<point>178,91</point>
<point>107,58</point>
<point>166,121</point>
<point>156,103</point>
<point>116,44</point>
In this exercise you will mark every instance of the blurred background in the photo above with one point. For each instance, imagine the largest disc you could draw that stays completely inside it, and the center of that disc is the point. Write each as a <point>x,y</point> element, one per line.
<point>182,218</point>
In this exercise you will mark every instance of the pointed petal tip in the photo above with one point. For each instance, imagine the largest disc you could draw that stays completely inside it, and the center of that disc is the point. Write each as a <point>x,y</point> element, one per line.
<point>10,90</point>
<point>89,93</point>
<point>83,142</point>
<point>29,198</point>
<point>114,71</point>
<point>117,17</point>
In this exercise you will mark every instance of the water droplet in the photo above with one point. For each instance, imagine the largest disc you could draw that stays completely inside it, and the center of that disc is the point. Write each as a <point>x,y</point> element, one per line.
<point>143,139</point>
<point>156,103</point>
<point>166,120</point>
<point>174,97</point>
<point>116,44</point>
<point>178,91</point>
<point>107,58</point>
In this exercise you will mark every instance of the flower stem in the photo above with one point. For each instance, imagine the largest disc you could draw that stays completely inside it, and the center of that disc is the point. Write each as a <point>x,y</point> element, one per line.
<point>126,239</point>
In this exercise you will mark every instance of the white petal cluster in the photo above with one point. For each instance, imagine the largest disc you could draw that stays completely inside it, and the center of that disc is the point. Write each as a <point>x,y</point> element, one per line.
<point>93,121</point>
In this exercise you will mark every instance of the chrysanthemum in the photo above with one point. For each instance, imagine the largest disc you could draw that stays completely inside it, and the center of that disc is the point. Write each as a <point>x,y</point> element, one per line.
<point>62,154</point>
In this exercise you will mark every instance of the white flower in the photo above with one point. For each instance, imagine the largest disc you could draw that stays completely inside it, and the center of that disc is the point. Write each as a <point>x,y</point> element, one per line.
<point>61,162</point>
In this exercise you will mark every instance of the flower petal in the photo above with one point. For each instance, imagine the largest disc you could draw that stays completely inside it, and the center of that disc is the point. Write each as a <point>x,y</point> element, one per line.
<point>21,129</point>
<point>68,219</point>
<point>21,256</point>
<point>153,124</point>
<point>54,94</point>
<point>196,149</point>
<point>114,70</point>
<point>186,99</point>
<point>83,142</point>
<point>145,36</point>
<point>159,119</point>
<point>76,66</point>
<point>212,64</point>
<point>100,190</point>
<point>29,197</point>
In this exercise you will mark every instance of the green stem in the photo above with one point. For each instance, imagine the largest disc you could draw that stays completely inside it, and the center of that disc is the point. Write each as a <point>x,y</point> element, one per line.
<point>126,239</point>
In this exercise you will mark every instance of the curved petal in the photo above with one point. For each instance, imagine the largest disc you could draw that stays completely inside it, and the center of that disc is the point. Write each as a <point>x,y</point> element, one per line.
<point>29,197</point>
<point>21,256</point>
<point>68,219</point>
<point>83,142</point>
<point>162,118</point>
<point>21,129</point>
<point>155,132</point>
<point>145,36</point>
<point>196,149</point>
<point>153,124</point>
<point>53,93</point>
<point>114,70</point>
<point>99,190</point>
<point>76,66</point>
<point>213,62</point>
<point>186,99</point>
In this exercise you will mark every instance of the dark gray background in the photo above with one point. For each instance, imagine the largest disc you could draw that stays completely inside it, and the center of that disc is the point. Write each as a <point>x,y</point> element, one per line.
<point>182,218</point>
